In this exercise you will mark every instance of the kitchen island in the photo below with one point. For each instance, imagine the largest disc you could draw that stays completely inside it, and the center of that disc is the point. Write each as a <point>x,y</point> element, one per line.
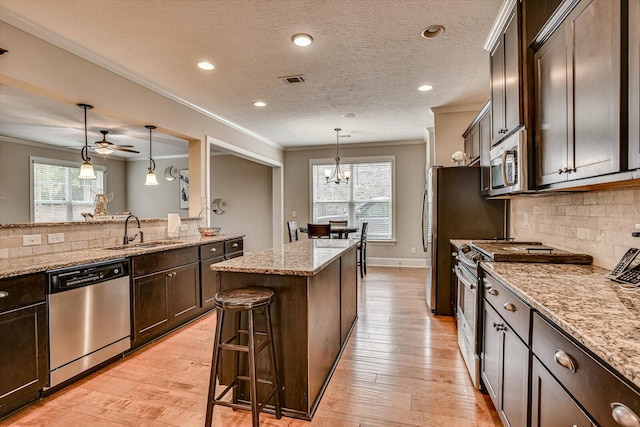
<point>313,313</point>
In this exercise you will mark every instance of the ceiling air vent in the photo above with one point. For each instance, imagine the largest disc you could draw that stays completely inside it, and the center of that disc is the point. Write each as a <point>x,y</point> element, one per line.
<point>293,79</point>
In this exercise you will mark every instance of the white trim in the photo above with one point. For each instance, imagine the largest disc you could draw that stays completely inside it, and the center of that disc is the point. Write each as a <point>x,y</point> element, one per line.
<point>397,262</point>
<point>498,24</point>
<point>241,152</point>
<point>458,108</point>
<point>101,61</point>
<point>356,145</point>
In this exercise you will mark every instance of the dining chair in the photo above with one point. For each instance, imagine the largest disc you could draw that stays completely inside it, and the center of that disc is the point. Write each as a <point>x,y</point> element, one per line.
<point>362,250</point>
<point>293,231</point>
<point>341,223</point>
<point>319,231</point>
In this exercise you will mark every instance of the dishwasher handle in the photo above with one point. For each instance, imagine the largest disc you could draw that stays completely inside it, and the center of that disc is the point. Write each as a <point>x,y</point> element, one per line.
<point>85,275</point>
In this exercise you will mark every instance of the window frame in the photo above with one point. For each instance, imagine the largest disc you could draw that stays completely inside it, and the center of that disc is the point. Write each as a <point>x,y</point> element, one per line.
<point>54,162</point>
<point>352,160</point>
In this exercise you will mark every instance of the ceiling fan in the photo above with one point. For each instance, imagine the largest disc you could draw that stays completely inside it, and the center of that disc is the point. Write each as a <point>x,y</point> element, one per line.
<point>106,147</point>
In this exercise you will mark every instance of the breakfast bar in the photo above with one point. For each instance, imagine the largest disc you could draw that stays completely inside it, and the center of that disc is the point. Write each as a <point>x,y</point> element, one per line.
<point>313,313</point>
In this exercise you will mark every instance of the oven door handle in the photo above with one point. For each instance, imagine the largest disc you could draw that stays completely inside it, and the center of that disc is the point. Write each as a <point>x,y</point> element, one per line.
<point>505,154</point>
<point>463,279</point>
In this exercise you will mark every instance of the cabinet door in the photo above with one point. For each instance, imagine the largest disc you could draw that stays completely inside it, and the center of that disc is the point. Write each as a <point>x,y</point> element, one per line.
<point>151,305</point>
<point>634,85</point>
<point>485,147</point>
<point>497,91</point>
<point>594,29</point>
<point>491,351</point>
<point>551,405</point>
<point>185,292</point>
<point>552,114</point>
<point>23,356</point>
<point>515,380</point>
<point>208,283</point>
<point>474,146</point>
<point>512,116</point>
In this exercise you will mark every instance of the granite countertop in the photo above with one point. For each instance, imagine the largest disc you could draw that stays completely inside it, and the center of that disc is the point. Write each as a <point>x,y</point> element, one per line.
<point>301,258</point>
<point>595,311</point>
<point>97,220</point>
<point>38,263</point>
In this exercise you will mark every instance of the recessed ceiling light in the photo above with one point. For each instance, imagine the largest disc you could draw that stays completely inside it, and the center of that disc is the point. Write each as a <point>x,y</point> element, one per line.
<point>260,104</point>
<point>302,39</point>
<point>205,65</point>
<point>349,115</point>
<point>433,31</point>
<point>425,88</point>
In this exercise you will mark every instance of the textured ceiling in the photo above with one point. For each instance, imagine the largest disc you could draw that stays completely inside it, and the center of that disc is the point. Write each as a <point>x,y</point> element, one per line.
<point>368,57</point>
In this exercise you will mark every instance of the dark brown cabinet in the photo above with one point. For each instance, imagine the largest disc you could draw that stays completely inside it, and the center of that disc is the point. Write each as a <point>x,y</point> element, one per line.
<point>506,105</point>
<point>23,333</point>
<point>485,148</point>
<point>634,85</point>
<point>550,403</point>
<point>166,292</point>
<point>472,144</point>
<point>577,95</point>
<point>209,254</point>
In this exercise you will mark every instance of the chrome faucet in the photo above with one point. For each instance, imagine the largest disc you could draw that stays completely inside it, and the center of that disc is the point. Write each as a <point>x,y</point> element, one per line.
<point>128,239</point>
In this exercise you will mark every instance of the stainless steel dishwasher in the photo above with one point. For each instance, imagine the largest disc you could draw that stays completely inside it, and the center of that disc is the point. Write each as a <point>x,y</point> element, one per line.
<point>89,317</point>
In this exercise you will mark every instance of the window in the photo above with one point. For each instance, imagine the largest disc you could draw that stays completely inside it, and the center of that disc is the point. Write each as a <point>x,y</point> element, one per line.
<point>368,197</point>
<point>57,194</point>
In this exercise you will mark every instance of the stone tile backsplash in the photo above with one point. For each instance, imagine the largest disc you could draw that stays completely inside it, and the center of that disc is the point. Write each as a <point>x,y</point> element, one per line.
<point>79,236</point>
<point>599,223</point>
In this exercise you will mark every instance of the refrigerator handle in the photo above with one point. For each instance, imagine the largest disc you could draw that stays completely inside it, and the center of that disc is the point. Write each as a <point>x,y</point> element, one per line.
<point>424,226</point>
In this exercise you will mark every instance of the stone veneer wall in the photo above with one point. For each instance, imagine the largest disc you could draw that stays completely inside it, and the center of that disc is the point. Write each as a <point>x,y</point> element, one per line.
<point>79,236</point>
<point>599,223</point>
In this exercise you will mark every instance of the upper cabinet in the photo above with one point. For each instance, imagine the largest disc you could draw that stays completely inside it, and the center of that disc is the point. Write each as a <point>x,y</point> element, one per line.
<point>578,96</point>
<point>477,144</point>
<point>634,84</point>
<point>506,105</point>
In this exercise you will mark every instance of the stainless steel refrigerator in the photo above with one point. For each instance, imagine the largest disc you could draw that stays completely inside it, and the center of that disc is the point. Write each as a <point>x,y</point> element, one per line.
<point>454,209</point>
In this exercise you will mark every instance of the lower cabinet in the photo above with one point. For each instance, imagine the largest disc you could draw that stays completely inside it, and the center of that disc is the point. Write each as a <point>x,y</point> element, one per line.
<point>209,254</point>
<point>505,368</point>
<point>551,405</point>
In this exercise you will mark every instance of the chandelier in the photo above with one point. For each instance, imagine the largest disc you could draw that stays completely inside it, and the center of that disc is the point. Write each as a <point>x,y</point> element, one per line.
<point>337,175</point>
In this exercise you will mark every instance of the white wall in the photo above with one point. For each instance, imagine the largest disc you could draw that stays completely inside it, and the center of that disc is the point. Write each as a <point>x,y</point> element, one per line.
<point>15,177</point>
<point>246,188</point>
<point>410,169</point>
<point>449,125</point>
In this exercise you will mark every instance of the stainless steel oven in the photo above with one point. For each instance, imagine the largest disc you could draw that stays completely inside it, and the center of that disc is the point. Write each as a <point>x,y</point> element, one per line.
<point>509,165</point>
<point>467,318</point>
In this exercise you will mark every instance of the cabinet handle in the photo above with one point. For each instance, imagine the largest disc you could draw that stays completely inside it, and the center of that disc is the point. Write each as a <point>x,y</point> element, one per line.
<point>564,360</point>
<point>492,291</point>
<point>509,307</point>
<point>235,245</point>
<point>213,250</point>
<point>4,294</point>
<point>624,416</point>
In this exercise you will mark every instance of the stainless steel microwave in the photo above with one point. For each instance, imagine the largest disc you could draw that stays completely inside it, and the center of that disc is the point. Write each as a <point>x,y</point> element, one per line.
<point>509,165</point>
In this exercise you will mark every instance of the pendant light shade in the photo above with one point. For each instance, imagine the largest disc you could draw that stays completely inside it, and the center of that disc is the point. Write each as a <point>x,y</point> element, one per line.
<point>151,176</point>
<point>338,175</point>
<point>86,170</point>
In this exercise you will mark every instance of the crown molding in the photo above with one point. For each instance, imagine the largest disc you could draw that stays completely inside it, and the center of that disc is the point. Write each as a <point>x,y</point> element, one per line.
<point>498,24</point>
<point>355,145</point>
<point>466,108</point>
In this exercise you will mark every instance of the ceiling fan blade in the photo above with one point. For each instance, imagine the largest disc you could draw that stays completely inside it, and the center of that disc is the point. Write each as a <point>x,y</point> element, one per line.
<point>120,148</point>
<point>123,145</point>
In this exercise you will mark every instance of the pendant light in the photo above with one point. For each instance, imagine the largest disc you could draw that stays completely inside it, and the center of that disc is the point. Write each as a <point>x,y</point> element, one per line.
<point>338,175</point>
<point>151,176</point>
<point>86,170</point>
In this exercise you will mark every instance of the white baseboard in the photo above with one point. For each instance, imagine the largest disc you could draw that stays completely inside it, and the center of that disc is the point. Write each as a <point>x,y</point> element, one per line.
<point>397,262</point>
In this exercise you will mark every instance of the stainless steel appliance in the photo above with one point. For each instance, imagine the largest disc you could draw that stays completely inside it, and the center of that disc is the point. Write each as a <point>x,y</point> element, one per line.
<point>89,317</point>
<point>509,165</point>
<point>469,314</point>
<point>454,209</point>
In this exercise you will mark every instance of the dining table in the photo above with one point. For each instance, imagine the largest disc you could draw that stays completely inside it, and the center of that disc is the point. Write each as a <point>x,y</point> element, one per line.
<point>341,230</point>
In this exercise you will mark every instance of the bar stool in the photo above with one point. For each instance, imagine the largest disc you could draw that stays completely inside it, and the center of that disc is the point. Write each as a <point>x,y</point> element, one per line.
<point>238,301</point>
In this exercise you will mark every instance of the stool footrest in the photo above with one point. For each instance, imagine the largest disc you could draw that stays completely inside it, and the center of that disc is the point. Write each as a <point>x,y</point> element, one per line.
<point>243,348</point>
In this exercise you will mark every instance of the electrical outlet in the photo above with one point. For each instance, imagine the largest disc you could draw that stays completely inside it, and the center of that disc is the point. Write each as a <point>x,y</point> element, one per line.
<point>184,227</point>
<point>55,238</point>
<point>31,240</point>
<point>293,214</point>
<point>413,249</point>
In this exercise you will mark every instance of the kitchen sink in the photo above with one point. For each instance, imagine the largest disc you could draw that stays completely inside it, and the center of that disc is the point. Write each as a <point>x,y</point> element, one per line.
<point>144,245</point>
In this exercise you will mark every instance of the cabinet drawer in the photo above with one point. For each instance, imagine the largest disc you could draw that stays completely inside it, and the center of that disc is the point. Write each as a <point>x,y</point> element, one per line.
<point>22,290</point>
<point>511,308</point>
<point>235,245</point>
<point>158,261</point>
<point>590,383</point>
<point>211,250</point>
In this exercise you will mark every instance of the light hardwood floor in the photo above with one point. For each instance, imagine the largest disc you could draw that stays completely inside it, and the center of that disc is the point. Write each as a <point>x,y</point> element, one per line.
<point>401,367</point>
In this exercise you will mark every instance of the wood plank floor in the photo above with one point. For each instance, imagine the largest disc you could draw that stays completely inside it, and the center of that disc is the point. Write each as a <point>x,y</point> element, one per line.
<point>401,368</point>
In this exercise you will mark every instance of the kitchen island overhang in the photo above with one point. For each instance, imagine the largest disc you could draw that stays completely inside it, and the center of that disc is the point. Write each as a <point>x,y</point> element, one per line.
<point>313,314</point>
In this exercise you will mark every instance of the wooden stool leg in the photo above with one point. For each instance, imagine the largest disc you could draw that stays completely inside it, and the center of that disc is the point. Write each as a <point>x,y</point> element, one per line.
<point>274,362</point>
<point>214,368</point>
<point>253,375</point>
<point>237,319</point>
